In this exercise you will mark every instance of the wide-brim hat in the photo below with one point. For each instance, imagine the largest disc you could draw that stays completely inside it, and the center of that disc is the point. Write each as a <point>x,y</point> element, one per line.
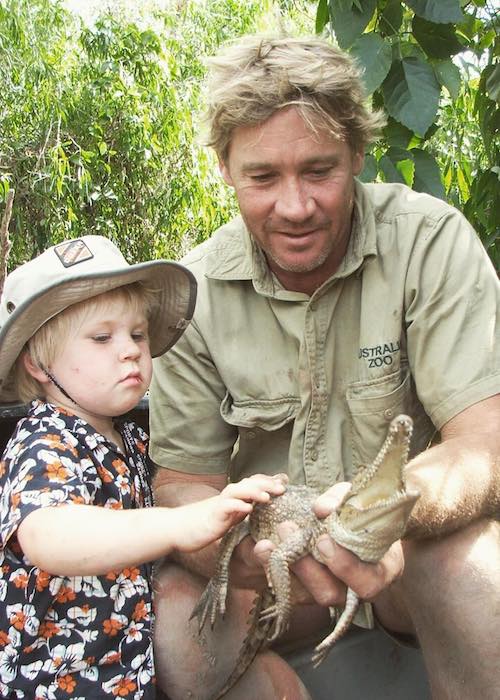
<point>80,269</point>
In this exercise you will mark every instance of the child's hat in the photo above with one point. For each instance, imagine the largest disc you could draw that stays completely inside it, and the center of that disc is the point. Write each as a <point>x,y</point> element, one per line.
<point>74,271</point>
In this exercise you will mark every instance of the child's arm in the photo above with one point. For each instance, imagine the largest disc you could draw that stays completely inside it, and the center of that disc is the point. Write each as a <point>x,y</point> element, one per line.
<point>80,540</point>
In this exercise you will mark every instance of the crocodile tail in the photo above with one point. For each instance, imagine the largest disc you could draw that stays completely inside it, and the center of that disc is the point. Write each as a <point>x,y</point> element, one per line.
<point>257,636</point>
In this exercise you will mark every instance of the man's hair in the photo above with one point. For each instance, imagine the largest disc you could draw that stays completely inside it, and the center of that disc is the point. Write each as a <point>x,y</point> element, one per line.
<point>49,340</point>
<point>256,76</point>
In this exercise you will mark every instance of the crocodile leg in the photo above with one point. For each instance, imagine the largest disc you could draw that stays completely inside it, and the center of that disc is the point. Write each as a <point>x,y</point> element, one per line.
<point>278,573</point>
<point>341,627</point>
<point>213,599</point>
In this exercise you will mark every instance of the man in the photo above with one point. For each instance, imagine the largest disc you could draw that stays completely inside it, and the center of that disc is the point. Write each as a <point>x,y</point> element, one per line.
<point>325,310</point>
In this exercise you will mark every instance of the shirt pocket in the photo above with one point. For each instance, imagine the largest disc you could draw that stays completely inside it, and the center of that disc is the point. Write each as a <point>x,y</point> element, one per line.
<point>373,404</point>
<point>265,431</point>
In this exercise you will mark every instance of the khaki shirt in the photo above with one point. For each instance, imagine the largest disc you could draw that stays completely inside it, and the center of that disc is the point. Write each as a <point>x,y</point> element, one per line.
<point>268,380</point>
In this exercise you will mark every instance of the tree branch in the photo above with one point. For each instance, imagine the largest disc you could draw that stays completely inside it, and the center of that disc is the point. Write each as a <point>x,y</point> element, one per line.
<point>5,243</point>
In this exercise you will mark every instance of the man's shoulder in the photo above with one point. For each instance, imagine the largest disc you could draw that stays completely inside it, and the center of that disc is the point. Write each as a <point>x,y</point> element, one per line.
<point>393,200</point>
<point>225,255</point>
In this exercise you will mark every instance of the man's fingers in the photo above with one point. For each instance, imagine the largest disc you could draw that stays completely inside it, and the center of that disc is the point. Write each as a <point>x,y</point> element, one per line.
<point>366,579</point>
<point>311,581</point>
<point>322,587</point>
<point>331,499</point>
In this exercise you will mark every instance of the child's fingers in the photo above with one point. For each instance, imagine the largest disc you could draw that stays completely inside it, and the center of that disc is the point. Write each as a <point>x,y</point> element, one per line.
<point>256,488</point>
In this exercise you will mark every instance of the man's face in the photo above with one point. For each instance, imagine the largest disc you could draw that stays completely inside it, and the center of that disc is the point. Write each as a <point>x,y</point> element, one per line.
<point>295,190</point>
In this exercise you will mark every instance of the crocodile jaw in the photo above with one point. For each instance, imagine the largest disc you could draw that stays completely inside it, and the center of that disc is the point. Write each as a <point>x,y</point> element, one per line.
<point>376,509</point>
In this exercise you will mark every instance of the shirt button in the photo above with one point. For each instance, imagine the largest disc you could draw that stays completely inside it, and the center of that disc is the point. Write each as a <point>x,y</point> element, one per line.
<point>388,414</point>
<point>314,455</point>
<point>250,435</point>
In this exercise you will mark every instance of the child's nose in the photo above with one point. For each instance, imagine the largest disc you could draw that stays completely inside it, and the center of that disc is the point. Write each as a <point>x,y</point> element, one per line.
<point>130,349</point>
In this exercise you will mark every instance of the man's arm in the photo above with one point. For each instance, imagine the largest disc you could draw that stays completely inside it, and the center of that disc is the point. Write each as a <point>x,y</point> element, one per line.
<point>458,479</point>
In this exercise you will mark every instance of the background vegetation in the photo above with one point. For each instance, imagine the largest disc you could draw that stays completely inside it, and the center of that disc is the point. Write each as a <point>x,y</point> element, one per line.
<point>100,122</point>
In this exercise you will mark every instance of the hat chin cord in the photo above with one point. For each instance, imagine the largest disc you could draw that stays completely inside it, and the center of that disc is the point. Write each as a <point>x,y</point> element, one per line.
<point>56,384</point>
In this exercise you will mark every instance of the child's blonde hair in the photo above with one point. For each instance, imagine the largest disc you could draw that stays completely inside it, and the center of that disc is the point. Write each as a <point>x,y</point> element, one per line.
<point>44,346</point>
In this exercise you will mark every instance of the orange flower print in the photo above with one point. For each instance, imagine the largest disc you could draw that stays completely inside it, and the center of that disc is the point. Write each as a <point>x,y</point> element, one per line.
<point>2,468</point>
<point>112,627</point>
<point>124,687</point>
<point>56,443</point>
<point>56,472</point>
<point>65,594</point>
<point>4,638</point>
<point>66,683</point>
<point>132,574</point>
<point>42,580</point>
<point>106,476</point>
<point>49,629</point>
<point>17,620</point>
<point>113,657</point>
<point>21,580</point>
<point>141,447</point>
<point>120,466</point>
<point>140,612</point>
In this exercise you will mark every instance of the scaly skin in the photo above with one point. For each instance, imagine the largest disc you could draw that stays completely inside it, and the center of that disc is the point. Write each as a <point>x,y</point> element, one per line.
<point>373,516</point>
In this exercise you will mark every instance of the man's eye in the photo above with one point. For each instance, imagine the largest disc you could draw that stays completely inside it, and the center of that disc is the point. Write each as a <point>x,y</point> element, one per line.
<point>262,177</point>
<point>319,172</point>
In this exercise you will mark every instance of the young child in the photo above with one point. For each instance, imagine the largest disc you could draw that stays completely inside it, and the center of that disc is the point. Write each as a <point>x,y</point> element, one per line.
<point>78,329</point>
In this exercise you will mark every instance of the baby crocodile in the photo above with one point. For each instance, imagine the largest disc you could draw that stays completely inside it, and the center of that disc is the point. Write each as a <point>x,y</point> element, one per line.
<point>372,516</point>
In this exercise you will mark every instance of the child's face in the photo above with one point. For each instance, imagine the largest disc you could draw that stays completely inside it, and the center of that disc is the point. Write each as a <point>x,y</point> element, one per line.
<point>106,365</point>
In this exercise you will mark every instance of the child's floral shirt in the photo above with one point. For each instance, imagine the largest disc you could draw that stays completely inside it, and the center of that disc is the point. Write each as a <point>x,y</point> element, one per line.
<point>79,637</point>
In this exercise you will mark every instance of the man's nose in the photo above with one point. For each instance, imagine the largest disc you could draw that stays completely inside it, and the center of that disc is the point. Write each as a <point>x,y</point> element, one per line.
<point>294,203</point>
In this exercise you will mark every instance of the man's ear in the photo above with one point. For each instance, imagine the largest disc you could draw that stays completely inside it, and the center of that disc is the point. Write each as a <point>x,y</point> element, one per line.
<point>224,171</point>
<point>358,161</point>
<point>33,369</point>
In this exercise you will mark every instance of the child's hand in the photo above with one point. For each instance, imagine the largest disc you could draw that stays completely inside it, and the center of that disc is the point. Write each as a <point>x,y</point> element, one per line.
<point>205,521</point>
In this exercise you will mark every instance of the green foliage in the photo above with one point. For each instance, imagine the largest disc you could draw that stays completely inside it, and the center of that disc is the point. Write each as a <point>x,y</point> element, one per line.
<point>433,66</point>
<point>98,125</point>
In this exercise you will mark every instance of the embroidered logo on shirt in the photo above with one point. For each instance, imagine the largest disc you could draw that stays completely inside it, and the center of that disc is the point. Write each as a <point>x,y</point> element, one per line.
<point>73,252</point>
<point>379,355</point>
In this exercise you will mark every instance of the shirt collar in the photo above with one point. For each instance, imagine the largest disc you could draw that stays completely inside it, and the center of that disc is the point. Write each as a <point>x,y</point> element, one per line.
<point>65,420</point>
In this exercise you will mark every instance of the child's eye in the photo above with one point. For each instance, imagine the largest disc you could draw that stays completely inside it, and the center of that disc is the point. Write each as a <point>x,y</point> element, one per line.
<point>101,337</point>
<point>139,335</point>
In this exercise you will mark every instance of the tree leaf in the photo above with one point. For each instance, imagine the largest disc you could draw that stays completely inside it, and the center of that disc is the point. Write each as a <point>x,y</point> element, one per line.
<point>396,134</point>
<point>375,55</point>
<point>322,16</point>
<point>411,94</point>
<point>348,22</point>
<point>397,166</point>
<point>437,40</point>
<point>427,174</point>
<point>448,75</point>
<point>493,84</point>
<point>391,18</point>
<point>440,11</point>
<point>370,169</point>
